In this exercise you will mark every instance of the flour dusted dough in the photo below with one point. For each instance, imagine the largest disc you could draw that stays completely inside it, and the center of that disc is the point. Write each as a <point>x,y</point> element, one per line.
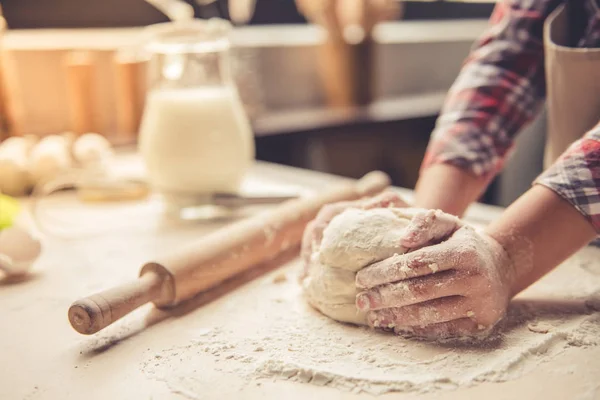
<point>351,241</point>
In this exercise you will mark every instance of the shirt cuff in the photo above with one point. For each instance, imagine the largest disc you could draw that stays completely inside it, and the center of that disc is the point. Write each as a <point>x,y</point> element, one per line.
<point>575,177</point>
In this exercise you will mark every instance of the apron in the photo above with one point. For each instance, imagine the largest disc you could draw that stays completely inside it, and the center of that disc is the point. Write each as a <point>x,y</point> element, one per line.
<point>573,86</point>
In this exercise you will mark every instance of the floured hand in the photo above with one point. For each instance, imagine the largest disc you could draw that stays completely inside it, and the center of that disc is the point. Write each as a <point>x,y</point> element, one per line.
<point>458,287</point>
<point>358,237</point>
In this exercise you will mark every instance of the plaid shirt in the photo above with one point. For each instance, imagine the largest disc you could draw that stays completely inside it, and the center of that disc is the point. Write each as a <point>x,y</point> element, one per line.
<point>500,89</point>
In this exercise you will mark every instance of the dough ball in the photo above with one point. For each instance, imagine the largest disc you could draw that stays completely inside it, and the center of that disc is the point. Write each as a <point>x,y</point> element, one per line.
<point>357,238</point>
<point>352,240</point>
<point>332,291</point>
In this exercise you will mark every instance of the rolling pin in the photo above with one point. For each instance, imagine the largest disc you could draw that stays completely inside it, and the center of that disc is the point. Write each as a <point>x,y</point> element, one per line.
<point>212,259</point>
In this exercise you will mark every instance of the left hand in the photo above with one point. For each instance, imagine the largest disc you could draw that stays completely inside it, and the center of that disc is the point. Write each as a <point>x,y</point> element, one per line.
<point>459,287</point>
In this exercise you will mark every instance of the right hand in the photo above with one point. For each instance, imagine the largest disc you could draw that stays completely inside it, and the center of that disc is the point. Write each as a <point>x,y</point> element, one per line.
<point>460,286</point>
<point>313,234</point>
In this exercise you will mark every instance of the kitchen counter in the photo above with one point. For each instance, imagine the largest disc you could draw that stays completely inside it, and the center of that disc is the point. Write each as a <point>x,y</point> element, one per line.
<point>212,346</point>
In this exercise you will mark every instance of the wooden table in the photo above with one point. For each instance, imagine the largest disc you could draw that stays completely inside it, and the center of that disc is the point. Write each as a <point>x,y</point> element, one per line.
<point>42,357</point>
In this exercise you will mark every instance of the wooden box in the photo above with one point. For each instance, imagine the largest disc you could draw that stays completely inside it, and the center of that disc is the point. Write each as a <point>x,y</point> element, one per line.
<point>76,80</point>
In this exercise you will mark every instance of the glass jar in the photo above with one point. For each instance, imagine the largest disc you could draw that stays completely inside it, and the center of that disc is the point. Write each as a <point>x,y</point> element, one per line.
<point>195,137</point>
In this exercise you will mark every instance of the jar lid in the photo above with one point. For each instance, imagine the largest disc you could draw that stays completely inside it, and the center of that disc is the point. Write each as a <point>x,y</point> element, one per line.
<point>188,36</point>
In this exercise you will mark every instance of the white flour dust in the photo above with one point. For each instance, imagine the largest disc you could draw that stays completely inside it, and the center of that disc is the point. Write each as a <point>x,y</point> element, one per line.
<point>271,333</point>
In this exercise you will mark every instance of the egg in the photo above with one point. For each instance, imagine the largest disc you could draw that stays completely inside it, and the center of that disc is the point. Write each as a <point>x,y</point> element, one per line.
<point>18,251</point>
<point>91,148</point>
<point>49,159</point>
<point>15,179</point>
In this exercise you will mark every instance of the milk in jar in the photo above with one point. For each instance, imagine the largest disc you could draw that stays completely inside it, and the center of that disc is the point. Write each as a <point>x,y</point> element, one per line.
<point>195,137</point>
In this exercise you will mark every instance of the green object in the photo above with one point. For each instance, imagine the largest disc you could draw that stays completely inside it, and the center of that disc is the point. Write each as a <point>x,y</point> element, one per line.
<point>9,208</point>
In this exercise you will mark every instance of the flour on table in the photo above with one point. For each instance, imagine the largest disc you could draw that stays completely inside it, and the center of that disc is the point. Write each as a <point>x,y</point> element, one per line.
<point>351,241</point>
<point>268,333</point>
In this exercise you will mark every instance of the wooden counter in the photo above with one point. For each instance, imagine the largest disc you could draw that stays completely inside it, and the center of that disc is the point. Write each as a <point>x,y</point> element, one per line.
<point>168,355</point>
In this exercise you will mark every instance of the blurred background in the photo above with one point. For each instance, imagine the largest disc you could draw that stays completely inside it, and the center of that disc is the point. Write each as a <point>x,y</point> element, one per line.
<point>370,103</point>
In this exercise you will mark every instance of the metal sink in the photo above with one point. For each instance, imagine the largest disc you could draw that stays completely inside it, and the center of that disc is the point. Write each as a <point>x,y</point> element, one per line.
<point>417,62</point>
<point>278,64</point>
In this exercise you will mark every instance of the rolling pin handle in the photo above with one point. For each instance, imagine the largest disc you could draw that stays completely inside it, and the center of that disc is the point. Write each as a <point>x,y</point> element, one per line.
<point>373,183</point>
<point>93,313</point>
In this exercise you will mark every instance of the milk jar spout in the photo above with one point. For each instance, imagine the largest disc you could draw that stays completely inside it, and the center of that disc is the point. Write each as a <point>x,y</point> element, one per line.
<point>195,136</point>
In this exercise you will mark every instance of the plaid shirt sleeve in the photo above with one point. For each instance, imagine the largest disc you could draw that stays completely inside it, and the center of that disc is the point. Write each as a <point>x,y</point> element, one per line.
<point>575,176</point>
<point>500,88</point>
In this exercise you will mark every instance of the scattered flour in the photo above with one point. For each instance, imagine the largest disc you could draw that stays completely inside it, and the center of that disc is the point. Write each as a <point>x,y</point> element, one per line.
<point>280,278</point>
<point>539,327</point>
<point>270,333</point>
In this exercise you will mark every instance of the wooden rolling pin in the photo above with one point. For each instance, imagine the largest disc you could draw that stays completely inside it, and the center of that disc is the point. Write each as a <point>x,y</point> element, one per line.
<point>216,257</point>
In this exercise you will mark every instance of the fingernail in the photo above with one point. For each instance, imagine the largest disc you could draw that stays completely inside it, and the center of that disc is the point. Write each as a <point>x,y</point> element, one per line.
<point>368,300</point>
<point>360,281</point>
<point>363,302</point>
